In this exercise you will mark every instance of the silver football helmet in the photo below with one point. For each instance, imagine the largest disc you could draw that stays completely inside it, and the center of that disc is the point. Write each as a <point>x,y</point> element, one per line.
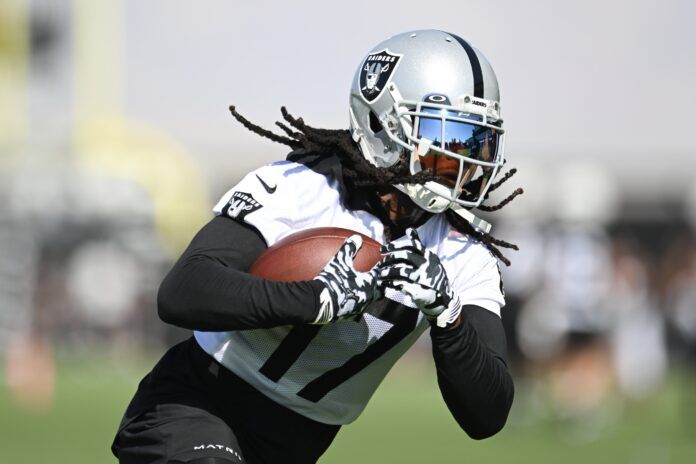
<point>433,96</point>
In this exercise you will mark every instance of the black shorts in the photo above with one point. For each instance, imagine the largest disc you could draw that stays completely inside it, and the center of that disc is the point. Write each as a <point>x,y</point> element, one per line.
<point>190,409</point>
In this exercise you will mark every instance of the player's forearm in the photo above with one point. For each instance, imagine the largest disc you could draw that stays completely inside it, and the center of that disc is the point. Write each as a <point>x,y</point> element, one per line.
<point>473,377</point>
<point>207,296</point>
<point>209,289</point>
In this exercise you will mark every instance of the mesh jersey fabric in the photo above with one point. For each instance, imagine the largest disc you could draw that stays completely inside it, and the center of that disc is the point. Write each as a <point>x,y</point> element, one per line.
<point>340,365</point>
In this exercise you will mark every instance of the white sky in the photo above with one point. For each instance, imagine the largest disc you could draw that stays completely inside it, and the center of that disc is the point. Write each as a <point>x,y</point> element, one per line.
<point>610,81</point>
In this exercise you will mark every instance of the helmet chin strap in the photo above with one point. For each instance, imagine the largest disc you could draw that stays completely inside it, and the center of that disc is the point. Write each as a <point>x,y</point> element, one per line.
<point>434,203</point>
<point>475,221</point>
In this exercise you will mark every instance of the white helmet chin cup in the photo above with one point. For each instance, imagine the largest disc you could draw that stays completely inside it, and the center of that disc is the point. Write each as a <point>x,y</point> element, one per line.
<point>430,197</point>
<point>394,88</point>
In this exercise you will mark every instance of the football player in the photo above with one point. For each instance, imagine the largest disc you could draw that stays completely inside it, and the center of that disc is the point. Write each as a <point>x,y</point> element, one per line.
<point>275,369</point>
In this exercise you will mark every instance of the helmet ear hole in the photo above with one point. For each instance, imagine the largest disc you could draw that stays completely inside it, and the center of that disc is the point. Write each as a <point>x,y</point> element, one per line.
<point>375,125</point>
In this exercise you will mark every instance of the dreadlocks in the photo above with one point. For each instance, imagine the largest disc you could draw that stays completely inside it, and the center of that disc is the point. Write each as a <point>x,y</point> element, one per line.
<point>360,173</point>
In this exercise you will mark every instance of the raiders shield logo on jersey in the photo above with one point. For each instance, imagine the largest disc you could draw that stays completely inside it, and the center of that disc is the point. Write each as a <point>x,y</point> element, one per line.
<point>240,205</point>
<point>375,73</point>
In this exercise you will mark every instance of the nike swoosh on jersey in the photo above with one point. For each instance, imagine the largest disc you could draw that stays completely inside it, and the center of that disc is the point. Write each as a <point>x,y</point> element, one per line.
<point>268,188</point>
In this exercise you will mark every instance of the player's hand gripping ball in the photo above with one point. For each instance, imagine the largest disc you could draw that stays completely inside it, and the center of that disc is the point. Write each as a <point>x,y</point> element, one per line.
<point>411,268</point>
<point>341,259</point>
<point>348,291</point>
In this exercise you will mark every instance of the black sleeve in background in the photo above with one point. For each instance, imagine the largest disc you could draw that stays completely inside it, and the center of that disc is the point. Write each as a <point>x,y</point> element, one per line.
<point>471,372</point>
<point>209,289</point>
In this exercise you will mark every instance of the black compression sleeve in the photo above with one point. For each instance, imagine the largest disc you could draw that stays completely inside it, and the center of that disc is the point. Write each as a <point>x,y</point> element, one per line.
<point>471,371</point>
<point>209,289</point>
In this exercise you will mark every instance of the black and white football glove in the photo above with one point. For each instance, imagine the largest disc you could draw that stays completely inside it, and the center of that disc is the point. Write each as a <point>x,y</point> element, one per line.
<point>411,268</point>
<point>347,291</point>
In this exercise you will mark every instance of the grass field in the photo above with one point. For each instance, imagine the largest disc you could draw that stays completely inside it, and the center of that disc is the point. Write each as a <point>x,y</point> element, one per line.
<point>406,422</point>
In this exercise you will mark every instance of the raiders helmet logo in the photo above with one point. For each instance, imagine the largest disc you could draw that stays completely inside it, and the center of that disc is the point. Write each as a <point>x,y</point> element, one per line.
<point>375,73</point>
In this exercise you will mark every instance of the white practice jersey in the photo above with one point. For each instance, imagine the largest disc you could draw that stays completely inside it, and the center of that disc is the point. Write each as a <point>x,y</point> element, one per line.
<point>328,373</point>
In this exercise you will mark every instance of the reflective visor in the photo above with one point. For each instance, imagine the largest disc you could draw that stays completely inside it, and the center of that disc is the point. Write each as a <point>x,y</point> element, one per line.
<point>461,138</point>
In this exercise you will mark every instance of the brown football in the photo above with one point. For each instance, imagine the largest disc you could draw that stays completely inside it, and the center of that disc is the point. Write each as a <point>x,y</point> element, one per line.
<point>302,255</point>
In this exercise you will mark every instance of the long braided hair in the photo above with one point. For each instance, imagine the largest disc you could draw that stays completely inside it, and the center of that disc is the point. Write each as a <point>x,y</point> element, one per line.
<point>360,173</point>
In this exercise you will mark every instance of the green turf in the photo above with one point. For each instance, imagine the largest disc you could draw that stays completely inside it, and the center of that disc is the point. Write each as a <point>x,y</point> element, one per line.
<point>406,422</point>
<point>90,398</point>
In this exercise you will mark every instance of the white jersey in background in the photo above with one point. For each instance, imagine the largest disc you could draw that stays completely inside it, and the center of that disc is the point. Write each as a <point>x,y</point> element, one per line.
<point>329,372</point>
